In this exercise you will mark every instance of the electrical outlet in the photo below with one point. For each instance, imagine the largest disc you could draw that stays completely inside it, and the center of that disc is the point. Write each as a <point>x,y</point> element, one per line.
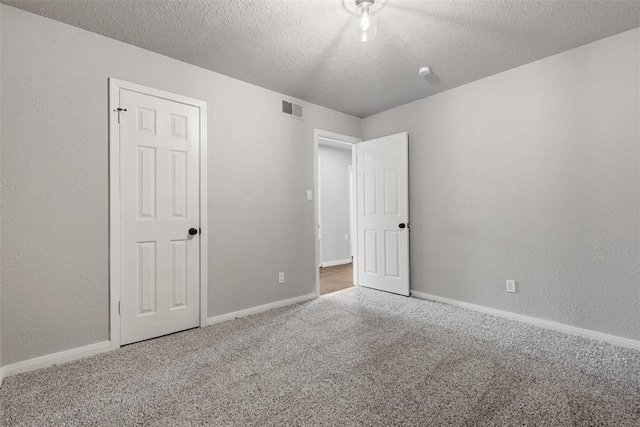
<point>280,278</point>
<point>511,286</point>
<point>309,195</point>
<point>346,237</point>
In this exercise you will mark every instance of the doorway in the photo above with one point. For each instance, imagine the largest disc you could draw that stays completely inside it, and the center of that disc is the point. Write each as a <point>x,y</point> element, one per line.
<point>379,211</point>
<point>335,210</point>
<point>157,213</point>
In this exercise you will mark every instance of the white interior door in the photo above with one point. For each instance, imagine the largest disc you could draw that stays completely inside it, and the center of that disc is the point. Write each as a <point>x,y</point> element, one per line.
<point>382,189</point>
<point>160,216</point>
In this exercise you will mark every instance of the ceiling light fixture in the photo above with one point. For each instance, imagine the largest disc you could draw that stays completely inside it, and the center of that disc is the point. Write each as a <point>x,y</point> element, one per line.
<point>365,20</point>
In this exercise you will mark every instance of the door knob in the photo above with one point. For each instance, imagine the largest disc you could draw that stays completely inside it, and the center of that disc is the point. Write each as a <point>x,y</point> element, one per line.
<point>402,225</point>
<point>193,231</point>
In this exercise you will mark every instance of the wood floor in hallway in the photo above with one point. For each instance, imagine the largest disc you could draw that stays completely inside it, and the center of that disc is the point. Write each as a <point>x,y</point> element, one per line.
<point>336,278</point>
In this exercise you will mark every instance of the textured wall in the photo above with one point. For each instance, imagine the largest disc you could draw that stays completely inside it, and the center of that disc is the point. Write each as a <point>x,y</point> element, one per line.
<point>532,175</point>
<point>1,11</point>
<point>55,183</point>
<point>334,193</point>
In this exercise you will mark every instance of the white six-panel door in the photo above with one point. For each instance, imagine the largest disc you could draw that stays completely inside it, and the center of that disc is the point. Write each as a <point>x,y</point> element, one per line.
<point>159,204</point>
<point>382,188</point>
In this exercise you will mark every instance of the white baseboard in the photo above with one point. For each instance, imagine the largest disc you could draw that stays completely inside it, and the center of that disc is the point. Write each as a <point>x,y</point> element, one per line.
<point>56,358</point>
<point>259,309</point>
<point>90,350</point>
<point>336,262</point>
<point>560,327</point>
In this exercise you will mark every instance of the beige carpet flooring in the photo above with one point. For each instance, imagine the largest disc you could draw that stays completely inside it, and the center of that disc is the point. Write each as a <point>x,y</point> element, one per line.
<point>336,278</point>
<point>357,357</point>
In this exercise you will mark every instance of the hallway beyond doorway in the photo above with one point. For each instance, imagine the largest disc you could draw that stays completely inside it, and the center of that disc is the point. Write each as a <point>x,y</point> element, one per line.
<point>336,278</point>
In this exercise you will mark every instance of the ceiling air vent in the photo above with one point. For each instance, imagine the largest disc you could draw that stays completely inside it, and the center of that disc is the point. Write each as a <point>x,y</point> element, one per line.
<point>291,109</point>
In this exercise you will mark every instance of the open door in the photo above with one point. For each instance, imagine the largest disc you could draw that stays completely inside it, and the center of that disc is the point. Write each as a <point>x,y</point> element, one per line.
<point>382,188</point>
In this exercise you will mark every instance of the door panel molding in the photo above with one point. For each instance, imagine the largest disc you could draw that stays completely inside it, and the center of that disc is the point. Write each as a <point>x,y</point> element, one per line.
<point>115,265</point>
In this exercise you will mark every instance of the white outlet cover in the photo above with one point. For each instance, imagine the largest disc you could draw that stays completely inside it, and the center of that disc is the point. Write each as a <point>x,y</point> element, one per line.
<point>280,277</point>
<point>309,195</point>
<point>511,286</point>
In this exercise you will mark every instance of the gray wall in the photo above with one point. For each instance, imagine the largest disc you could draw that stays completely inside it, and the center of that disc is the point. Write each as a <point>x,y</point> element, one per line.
<point>54,223</point>
<point>1,12</point>
<point>334,197</point>
<point>532,174</point>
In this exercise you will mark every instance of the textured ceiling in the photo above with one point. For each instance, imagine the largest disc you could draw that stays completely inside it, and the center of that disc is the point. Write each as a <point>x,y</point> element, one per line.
<point>305,49</point>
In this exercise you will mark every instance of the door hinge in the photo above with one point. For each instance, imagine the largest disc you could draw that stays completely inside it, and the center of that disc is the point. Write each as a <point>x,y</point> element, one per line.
<point>120,110</point>
<point>119,307</point>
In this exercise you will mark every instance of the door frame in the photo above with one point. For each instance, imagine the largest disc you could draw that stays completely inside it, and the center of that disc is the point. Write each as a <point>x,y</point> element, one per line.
<point>344,139</point>
<point>114,198</point>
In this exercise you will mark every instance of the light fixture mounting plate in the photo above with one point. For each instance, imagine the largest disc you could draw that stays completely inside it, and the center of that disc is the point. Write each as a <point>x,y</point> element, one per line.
<point>351,5</point>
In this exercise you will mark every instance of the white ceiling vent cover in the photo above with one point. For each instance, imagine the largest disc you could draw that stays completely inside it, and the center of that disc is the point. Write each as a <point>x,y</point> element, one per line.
<point>291,109</point>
